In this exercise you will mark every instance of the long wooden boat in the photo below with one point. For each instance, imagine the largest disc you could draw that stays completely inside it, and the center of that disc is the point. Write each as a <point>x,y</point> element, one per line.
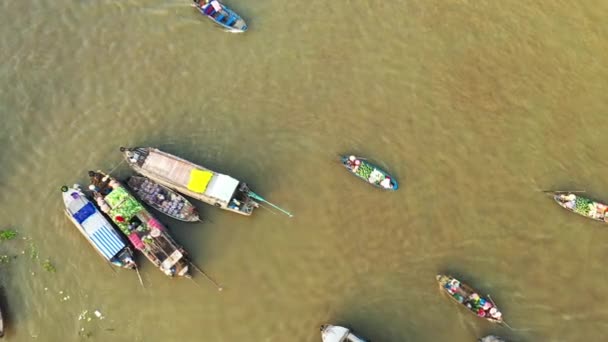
<point>145,232</point>
<point>369,172</point>
<point>582,206</point>
<point>335,333</point>
<point>163,199</point>
<point>95,228</point>
<point>491,338</point>
<point>221,15</point>
<point>192,180</point>
<point>468,298</point>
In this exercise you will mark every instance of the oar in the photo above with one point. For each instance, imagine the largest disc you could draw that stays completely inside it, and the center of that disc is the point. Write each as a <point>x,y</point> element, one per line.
<point>139,276</point>
<point>219,288</point>
<point>572,191</point>
<point>260,198</point>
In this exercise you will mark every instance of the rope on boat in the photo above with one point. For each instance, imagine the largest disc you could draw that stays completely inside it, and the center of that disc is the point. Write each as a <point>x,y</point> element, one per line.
<point>219,288</point>
<point>115,167</point>
<point>262,199</point>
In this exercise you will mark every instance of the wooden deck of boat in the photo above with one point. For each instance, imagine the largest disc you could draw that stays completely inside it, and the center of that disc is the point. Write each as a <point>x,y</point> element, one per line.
<point>171,169</point>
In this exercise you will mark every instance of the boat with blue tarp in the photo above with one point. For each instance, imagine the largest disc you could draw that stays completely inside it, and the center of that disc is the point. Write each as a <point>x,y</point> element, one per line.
<point>221,15</point>
<point>100,233</point>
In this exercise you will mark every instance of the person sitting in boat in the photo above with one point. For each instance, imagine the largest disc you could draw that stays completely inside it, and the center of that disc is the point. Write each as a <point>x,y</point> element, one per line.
<point>569,200</point>
<point>353,163</point>
<point>386,183</point>
<point>494,313</point>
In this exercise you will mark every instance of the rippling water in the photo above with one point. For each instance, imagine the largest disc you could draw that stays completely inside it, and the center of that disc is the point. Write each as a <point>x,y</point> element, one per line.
<point>473,106</point>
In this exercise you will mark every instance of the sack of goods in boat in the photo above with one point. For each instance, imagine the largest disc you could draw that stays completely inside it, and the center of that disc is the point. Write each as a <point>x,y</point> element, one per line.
<point>376,176</point>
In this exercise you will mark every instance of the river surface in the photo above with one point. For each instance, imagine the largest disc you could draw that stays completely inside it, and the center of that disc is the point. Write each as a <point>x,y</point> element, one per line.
<point>475,106</point>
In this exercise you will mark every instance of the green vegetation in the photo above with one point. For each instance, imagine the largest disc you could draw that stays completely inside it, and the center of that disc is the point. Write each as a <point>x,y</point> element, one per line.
<point>33,251</point>
<point>48,266</point>
<point>7,234</point>
<point>364,170</point>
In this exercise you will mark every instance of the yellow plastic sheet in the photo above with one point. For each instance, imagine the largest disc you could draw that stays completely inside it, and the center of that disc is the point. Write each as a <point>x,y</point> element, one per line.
<point>199,180</point>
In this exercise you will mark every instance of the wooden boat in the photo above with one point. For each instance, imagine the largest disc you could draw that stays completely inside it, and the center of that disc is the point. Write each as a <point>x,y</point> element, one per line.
<point>192,180</point>
<point>163,199</point>
<point>369,172</point>
<point>95,228</point>
<point>145,232</point>
<point>491,338</point>
<point>582,205</point>
<point>221,15</point>
<point>467,297</point>
<point>334,333</point>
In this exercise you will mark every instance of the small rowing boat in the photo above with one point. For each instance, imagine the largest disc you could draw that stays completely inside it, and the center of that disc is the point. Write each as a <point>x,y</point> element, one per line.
<point>467,297</point>
<point>491,338</point>
<point>221,15</point>
<point>369,172</point>
<point>95,228</point>
<point>335,333</point>
<point>582,206</point>
<point>145,232</point>
<point>163,199</point>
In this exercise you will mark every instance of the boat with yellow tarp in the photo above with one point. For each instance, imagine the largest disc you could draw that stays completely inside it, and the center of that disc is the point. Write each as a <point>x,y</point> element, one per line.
<point>192,180</point>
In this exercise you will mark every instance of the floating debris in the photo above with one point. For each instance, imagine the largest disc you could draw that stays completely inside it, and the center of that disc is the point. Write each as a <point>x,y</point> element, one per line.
<point>33,251</point>
<point>98,314</point>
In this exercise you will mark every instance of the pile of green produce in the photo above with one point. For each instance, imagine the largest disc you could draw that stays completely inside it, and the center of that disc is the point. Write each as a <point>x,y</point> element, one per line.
<point>582,205</point>
<point>364,170</point>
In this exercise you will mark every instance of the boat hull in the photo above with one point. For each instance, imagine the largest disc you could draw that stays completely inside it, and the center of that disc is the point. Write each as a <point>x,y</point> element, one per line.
<point>442,280</point>
<point>224,17</point>
<point>144,231</point>
<point>394,184</point>
<point>96,229</point>
<point>583,206</point>
<point>178,174</point>
<point>163,199</point>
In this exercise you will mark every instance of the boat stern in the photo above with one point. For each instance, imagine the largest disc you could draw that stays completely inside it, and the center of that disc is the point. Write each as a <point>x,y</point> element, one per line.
<point>125,259</point>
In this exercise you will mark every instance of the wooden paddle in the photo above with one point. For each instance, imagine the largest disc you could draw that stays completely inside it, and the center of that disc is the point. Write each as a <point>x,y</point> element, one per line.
<point>572,191</point>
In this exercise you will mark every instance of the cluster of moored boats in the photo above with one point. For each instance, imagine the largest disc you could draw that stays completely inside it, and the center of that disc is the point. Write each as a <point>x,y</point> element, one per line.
<point>113,218</point>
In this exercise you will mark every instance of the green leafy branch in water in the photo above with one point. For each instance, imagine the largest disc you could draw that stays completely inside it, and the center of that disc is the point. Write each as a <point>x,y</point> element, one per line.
<point>33,251</point>
<point>48,266</point>
<point>7,234</point>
